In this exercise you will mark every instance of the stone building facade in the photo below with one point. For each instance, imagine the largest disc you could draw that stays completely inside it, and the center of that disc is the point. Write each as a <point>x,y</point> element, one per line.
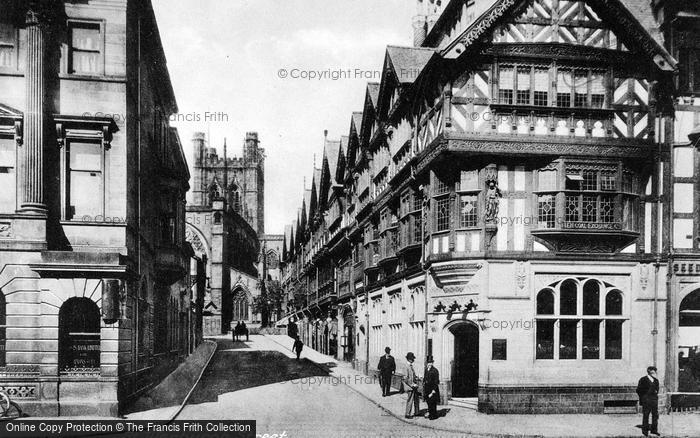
<point>95,297</point>
<point>517,199</point>
<point>226,226</point>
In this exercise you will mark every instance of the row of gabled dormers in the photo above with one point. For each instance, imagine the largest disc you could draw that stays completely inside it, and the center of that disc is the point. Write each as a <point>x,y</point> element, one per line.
<point>578,72</point>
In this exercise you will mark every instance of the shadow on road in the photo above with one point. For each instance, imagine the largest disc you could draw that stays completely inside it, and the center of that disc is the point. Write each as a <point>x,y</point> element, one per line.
<point>233,368</point>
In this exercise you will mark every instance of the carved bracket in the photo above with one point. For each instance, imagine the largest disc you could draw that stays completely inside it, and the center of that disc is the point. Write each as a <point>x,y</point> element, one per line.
<point>18,133</point>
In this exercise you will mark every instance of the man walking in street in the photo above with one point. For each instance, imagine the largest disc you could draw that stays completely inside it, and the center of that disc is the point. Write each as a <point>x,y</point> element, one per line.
<point>648,392</point>
<point>410,382</point>
<point>431,388</point>
<point>297,347</point>
<point>386,368</point>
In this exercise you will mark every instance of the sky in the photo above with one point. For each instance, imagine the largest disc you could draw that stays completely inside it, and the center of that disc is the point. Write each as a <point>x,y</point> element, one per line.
<point>248,65</point>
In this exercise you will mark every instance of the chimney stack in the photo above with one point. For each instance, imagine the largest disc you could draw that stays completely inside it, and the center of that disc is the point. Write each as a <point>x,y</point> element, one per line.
<point>420,26</point>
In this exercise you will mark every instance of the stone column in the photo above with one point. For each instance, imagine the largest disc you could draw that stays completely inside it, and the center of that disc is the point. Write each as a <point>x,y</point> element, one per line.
<point>35,116</point>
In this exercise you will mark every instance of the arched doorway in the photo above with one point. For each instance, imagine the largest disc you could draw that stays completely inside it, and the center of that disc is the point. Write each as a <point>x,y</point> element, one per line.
<point>79,335</point>
<point>465,366</point>
<point>689,343</point>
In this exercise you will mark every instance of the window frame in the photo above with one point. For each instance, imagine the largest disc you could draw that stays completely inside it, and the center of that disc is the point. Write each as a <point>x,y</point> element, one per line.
<point>74,23</point>
<point>66,213</point>
<point>580,317</point>
<point>14,49</point>
<point>554,77</point>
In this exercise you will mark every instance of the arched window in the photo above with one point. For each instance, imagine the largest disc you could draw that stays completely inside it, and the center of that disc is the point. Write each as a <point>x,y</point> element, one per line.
<point>79,335</point>
<point>240,306</point>
<point>3,328</point>
<point>613,303</point>
<point>545,302</point>
<point>579,331</point>
<point>591,298</point>
<point>567,297</point>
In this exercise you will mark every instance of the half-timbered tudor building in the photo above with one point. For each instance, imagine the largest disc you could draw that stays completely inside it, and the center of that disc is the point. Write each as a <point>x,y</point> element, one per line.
<point>95,286</point>
<point>517,199</point>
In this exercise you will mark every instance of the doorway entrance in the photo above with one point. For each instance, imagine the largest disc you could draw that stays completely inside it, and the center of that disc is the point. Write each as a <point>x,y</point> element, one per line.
<point>465,366</point>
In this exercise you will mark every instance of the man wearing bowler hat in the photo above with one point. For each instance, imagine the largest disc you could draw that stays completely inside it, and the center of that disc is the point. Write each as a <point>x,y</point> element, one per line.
<point>410,385</point>
<point>386,368</point>
<point>431,388</point>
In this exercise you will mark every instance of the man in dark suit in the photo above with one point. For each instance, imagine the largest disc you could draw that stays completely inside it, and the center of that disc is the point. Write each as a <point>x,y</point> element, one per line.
<point>648,392</point>
<point>431,388</point>
<point>386,368</point>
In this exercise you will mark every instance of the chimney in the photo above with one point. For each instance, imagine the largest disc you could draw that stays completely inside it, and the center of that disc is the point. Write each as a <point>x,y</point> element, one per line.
<point>420,23</point>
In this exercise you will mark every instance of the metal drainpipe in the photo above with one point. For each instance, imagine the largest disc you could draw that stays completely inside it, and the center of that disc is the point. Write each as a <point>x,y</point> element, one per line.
<point>425,273</point>
<point>655,331</point>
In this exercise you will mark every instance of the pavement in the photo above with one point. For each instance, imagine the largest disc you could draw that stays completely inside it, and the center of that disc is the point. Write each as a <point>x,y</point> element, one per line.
<point>468,422</point>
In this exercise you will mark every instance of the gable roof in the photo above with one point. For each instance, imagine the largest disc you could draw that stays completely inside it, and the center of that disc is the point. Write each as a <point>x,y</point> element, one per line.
<point>407,62</point>
<point>373,93</point>
<point>635,16</point>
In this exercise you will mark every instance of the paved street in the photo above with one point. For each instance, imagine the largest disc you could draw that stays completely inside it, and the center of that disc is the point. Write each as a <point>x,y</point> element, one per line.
<point>263,382</point>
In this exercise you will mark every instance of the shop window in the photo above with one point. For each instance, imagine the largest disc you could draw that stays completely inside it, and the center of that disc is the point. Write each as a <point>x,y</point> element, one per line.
<point>79,335</point>
<point>577,333</point>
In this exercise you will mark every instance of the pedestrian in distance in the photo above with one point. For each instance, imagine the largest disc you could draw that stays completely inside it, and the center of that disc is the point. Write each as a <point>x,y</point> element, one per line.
<point>648,392</point>
<point>236,331</point>
<point>386,367</point>
<point>297,347</point>
<point>244,331</point>
<point>410,384</point>
<point>431,388</point>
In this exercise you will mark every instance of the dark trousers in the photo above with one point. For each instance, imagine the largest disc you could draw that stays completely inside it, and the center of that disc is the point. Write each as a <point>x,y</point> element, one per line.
<point>654,411</point>
<point>386,384</point>
<point>298,353</point>
<point>412,402</point>
<point>432,407</point>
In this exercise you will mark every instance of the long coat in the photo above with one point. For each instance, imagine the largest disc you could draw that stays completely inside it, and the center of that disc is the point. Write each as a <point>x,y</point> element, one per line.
<point>387,365</point>
<point>648,393</point>
<point>431,383</point>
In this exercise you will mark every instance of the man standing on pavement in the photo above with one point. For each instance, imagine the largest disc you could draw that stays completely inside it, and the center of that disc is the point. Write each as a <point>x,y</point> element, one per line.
<point>386,368</point>
<point>431,388</point>
<point>297,347</point>
<point>648,392</point>
<point>410,382</point>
